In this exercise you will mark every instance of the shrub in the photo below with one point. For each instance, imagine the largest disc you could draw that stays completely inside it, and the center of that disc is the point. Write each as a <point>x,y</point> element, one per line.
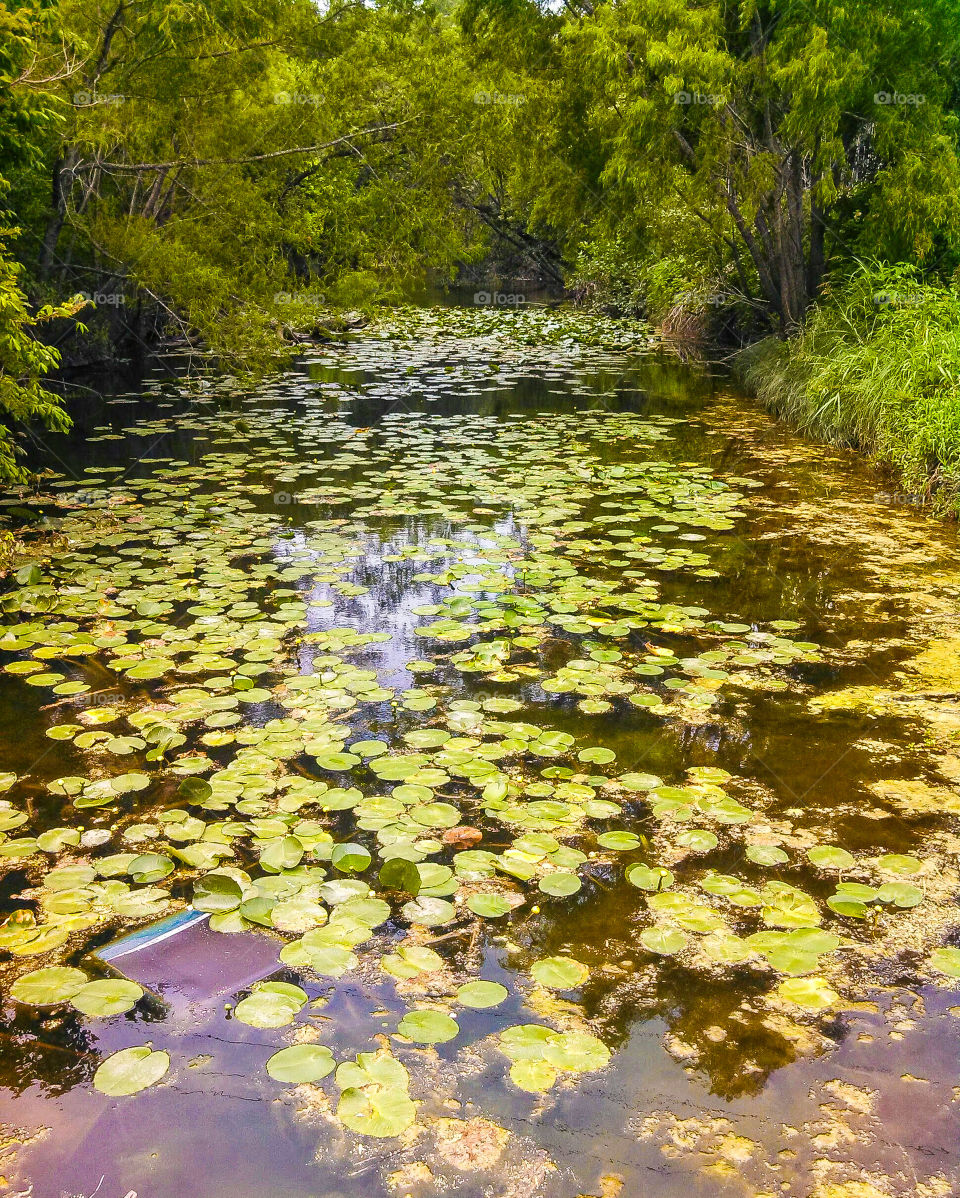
<point>876,366</point>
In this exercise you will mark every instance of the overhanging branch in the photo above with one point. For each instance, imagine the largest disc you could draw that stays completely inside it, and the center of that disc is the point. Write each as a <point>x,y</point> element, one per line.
<point>132,168</point>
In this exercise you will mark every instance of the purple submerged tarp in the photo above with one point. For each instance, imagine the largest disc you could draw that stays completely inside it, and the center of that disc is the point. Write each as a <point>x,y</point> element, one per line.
<point>181,956</point>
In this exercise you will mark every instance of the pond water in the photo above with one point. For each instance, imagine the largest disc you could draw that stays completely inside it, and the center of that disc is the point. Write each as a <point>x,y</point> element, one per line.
<point>480,647</point>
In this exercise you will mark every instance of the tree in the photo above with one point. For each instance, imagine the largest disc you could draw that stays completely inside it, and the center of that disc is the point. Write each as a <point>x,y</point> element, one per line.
<point>24,363</point>
<point>25,115</point>
<point>205,152</point>
<point>757,140</point>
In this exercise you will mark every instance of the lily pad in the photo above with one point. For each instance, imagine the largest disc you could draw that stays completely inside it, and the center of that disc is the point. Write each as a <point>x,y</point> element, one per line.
<point>426,1026</point>
<point>301,1063</point>
<point>560,884</point>
<point>559,973</point>
<point>533,1076</point>
<point>646,877</point>
<point>380,1111</point>
<point>131,1070</point>
<point>813,993</point>
<point>482,994</point>
<point>430,912</point>
<point>268,1008</point>
<point>830,856</point>
<point>216,892</point>
<point>766,854</point>
<point>946,961</point>
<point>489,906</point>
<point>665,941</point>
<point>577,1052</point>
<point>46,987</point>
<point>110,996</point>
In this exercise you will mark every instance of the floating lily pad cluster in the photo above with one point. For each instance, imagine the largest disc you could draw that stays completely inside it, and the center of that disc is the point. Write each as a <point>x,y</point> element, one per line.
<point>539,1054</point>
<point>305,679</point>
<point>63,984</point>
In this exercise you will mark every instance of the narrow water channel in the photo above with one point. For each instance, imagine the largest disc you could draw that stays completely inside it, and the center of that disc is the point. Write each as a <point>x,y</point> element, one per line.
<point>560,759</point>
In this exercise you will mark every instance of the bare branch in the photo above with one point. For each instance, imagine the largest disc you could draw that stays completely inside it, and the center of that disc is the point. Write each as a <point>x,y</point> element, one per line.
<point>126,168</point>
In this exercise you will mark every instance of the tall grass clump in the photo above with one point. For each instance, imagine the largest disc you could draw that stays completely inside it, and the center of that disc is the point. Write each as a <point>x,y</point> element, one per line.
<point>877,367</point>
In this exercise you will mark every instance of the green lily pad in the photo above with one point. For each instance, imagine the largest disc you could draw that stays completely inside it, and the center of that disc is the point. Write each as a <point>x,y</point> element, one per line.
<point>130,1070</point>
<point>150,867</point>
<point>665,941</point>
<point>812,993</point>
<point>646,877</point>
<point>533,1076</point>
<point>426,738</point>
<point>901,894</point>
<point>900,863</point>
<point>110,996</point>
<point>301,1063</point>
<point>217,893</point>
<point>482,994</point>
<point>430,912</point>
<point>766,854</point>
<point>369,748</point>
<point>380,1111</point>
<point>946,961</point>
<point>350,858</point>
<point>399,874</point>
<point>559,973</point>
<point>55,839</point>
<point>525,1041</point>
<point>46,987</point>
<point>488,906</point>
<point>620,842</point>
<point>830,856</point>
<point>697,839</point>
<point>560,884</point>
<point>597,755</point>
<point>577,1052</point>
<point>427,1026</point>
<point>411,960</point>
<point>373,1069</point>
<point>264,1008</point>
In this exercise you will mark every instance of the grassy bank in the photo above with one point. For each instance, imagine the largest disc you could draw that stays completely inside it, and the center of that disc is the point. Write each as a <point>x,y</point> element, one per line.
<point>877,367</point>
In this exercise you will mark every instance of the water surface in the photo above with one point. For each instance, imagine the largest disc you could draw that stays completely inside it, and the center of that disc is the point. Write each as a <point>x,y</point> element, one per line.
<point>625,595</point>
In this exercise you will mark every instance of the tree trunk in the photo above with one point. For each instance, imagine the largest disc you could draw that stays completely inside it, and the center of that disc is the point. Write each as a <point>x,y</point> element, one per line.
<point>816,260</point>
<point>60,186</point>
